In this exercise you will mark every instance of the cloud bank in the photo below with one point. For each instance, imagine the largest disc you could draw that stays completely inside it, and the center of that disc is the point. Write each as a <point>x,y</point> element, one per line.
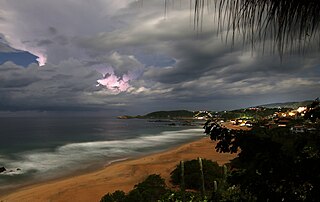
<point>119,54</point>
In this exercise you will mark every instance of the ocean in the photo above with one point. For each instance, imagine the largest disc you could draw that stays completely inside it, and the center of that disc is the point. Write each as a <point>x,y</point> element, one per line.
<point>38,149</point>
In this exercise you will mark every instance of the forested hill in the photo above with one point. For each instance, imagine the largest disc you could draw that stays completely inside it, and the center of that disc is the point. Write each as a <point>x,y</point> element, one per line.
<point>175,114</point>
<point>169,114</point>
<point>288,104</point>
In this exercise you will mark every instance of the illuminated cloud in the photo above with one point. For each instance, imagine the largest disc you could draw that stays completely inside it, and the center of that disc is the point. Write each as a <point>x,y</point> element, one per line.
<point>42,57</point>
<point>15,43</point>
<point>112,82</point>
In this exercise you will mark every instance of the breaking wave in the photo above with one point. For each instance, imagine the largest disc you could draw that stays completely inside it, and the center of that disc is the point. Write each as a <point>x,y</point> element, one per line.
<point>77,156</point>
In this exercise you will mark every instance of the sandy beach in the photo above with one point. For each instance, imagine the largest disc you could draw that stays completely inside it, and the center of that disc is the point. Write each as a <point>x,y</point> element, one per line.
<point>117,176</point>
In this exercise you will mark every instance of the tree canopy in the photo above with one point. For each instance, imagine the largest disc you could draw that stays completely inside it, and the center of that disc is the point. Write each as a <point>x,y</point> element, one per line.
<point>273,164</point>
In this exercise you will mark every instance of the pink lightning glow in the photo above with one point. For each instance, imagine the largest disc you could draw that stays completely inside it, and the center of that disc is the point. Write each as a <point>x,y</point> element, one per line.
<point>113,82</point>
<point>39,52</point>
<point>42,59</point>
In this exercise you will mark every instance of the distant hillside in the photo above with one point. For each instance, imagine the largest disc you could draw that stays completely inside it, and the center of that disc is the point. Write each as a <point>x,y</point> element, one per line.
<point>288,104</point>
<point>169,114</point>
<point>176,114</point>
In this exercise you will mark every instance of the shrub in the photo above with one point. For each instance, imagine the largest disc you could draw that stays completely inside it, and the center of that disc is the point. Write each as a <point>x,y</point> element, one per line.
<point>150,190</point>
<point>117,196</point>
<point>177,196</point>
<point>211,170</point>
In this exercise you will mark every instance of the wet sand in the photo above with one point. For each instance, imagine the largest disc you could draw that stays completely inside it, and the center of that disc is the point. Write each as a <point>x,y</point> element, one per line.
<point>117,176</point>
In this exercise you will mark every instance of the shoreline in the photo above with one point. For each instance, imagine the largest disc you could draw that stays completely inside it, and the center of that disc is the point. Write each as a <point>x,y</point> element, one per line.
<point>136,149</point>
<point>119,175</point>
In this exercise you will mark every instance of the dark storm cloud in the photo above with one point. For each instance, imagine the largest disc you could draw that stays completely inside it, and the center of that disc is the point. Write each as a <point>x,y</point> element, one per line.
<point>44,42</point>
<point>5,48</point>
<point>59,86</point>
<point>52,30</point>
<point>170,64</point>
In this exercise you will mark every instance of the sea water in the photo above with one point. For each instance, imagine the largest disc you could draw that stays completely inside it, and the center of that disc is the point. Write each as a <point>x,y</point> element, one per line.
<point>38,149</point>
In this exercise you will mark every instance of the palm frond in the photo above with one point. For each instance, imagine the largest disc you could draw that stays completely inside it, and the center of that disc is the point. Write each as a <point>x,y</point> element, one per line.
<point>291,25</point>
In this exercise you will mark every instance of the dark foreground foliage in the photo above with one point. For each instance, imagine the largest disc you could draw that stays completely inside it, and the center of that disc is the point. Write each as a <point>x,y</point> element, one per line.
<point>151,189</point>
<point>211,170</point>
<point>273,164</point>
<point>117,196</point>
<point>154,189</point>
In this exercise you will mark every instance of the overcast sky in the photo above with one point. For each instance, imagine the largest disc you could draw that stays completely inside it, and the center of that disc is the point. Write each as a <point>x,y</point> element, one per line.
<point>122,57</point>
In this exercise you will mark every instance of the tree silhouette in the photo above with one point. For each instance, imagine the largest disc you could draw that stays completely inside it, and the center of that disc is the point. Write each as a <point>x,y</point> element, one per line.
<point>272,164</point>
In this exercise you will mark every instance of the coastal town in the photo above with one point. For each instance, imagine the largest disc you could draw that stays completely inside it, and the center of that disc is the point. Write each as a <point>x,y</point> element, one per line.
<point>299,117</point>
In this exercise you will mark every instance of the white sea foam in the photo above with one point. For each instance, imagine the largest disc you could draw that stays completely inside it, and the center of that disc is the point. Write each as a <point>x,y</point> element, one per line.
<point>81,155</point>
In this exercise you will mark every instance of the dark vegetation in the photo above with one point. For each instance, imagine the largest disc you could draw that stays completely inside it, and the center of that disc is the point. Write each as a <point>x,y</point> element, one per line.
<point>152,189</point>
<point>117,196</point>
<point>314,113</point>
<point>250,114</point>
<point>169,114</point>
<point>293,105</point>
<point>175,114</point>
<point>211,170</point>
<point>273,164</point>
